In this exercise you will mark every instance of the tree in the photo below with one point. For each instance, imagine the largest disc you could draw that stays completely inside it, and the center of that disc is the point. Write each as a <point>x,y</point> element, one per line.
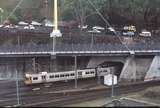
<point>80,10</point>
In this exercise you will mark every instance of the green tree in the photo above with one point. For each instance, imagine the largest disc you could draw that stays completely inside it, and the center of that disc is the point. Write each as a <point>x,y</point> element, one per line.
<point>79,10</point>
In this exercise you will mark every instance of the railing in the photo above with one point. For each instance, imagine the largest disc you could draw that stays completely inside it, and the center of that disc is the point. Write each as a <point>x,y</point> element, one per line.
<point>79,48</point>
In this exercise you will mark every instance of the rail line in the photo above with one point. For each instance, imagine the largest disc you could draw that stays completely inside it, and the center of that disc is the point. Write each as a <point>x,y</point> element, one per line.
<point>63,97</point>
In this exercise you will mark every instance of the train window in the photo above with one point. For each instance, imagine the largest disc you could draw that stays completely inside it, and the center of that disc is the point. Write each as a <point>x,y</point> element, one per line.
<point>52,76</point>
<point>87,72</point>
<point>61,75</point>
<point>92,72</point>
<point>67,75</point>
<point>56,76</point>
<point>72,74</point>
<point>35,78</point>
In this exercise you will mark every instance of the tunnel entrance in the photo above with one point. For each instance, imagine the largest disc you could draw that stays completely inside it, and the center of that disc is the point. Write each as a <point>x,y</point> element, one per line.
<point>118,66</point>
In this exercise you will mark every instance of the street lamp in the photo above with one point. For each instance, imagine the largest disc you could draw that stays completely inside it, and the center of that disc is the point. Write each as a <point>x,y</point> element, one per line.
<point>2,11</point>
<point>98,74</point>
<point>112,92</point>
<point>17,87</point>
<point>75,62</point>
<point>56,32</point>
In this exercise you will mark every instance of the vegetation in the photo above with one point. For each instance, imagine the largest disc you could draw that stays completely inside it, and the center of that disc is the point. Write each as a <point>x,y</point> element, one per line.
<point>142,13</point>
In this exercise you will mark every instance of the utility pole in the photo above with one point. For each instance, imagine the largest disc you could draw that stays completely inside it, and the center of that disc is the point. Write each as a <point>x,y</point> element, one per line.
<point>75,62</point>
<point>17,87</point>
<point>92,42</point>
<point>2,11</point>
<point>112,94</point>
<point>46,8</point>
<point>34,65</point>
<point>98,75</point>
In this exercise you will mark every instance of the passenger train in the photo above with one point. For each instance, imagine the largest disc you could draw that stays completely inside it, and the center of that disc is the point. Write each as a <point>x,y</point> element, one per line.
<point>44,77</point>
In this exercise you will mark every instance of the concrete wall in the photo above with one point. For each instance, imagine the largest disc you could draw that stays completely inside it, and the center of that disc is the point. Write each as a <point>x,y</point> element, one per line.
<point>129,70</point>
<point>154,70</point>
<point>9,66</point>
<point>135,69</point>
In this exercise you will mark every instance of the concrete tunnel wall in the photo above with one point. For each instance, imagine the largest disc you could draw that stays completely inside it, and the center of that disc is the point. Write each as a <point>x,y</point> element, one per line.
<point>133,69</point>
<point>154,70</point>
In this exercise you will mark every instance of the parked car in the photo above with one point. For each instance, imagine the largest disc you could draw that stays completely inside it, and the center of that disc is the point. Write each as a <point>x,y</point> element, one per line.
<point>29,27</point>
<point>98,28</point>
<point>128,33</point>
<point>129,30</point>
<point>9,26</point>
<point>1,25</point>
<point>145,33</point>
<point>94,31</point>
<point>110,31</point>
<point>22,23</point>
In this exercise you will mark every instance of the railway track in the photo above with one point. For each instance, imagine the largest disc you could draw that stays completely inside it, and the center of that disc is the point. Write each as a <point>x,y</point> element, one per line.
<point>47,96</point>
<point>73,98</point>
<point>29,90</point>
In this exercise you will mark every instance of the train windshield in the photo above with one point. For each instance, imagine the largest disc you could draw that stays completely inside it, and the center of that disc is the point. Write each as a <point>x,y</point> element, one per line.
<point>28,78</point>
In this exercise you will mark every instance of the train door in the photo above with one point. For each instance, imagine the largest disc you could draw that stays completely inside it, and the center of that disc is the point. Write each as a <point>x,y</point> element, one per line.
<point>80,74</point>
<point>44,76</point>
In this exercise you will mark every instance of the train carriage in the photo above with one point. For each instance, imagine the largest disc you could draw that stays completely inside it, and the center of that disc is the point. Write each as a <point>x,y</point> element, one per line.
<point>44,77</point>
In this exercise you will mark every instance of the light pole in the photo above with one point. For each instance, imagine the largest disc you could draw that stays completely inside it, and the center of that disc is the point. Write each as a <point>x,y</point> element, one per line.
<point>34,64</point>
<point>1,10</point>
<point>112,94</point>
<point>17,87</point>
<point>46,8</point>
<point>98,74</point>
<point>56,32</point>
<point>75,62</point>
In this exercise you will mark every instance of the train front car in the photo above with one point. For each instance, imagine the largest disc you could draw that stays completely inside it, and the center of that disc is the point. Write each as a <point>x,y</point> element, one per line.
<point>28,79</point>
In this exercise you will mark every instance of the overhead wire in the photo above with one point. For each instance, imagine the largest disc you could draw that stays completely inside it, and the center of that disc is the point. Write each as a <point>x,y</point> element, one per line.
<point>13,11</point>
<point>131,52</point>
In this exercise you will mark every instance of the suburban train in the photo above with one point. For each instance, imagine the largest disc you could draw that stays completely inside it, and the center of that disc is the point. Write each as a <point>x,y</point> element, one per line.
<point>44,77</point>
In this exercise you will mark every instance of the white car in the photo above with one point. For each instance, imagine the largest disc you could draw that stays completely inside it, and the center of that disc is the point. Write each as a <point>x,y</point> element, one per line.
<point>145,33</point>
<point>22,23</point>
<point>128,33</point>
<point>83,27</point>
<point>111,29</point>
<point>29,27</point>
<point>98,27</point>
<point>26,27</point>
<point>36,23</point>
<point>94,31</point>
<point>1,26</point>
<point>8,26</point>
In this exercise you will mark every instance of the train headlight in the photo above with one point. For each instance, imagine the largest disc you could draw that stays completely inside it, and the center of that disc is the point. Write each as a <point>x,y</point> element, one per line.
<point>27,75</point>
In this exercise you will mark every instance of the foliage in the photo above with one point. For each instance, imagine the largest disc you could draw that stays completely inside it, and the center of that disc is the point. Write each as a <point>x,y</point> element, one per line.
<point>142,13</point>
<point>79,10</point>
